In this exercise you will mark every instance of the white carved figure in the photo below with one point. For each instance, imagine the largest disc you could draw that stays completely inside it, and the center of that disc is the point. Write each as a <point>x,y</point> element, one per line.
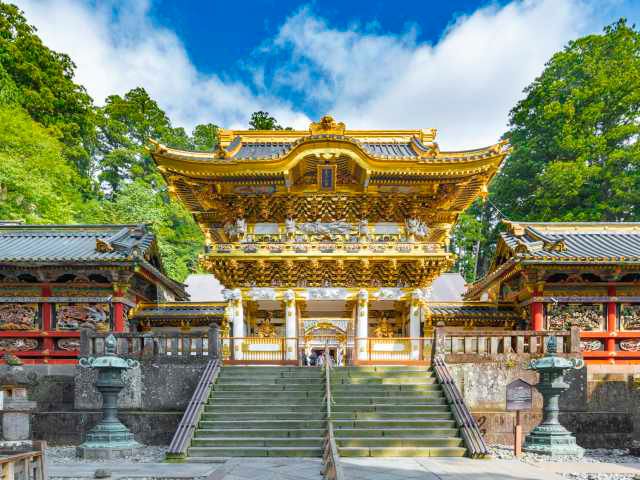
<point>290,227</point>
<point>363,228</point>
<point>416,228</point>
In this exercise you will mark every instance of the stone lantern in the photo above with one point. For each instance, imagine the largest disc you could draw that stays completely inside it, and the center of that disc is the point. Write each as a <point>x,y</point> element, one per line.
<point>550,437</point>
<point>16,407</point>
<point>110,438</point>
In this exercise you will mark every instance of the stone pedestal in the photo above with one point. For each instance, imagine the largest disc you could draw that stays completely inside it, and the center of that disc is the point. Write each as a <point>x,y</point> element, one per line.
<point>16,419</point>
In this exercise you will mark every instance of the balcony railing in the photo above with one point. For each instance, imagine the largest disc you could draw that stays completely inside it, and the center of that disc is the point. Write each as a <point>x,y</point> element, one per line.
<point>470,345</point>
<point>260,350</point>
<point>400,350</point>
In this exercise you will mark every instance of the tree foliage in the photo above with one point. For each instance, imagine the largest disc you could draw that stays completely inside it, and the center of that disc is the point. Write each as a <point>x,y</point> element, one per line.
<point>263,121</point>
<point>44,80</point>
<point>576,155</point>
<point>37,184</point>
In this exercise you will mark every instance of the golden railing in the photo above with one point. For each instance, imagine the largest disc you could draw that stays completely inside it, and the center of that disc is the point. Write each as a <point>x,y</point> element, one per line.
<point>393,350</point>
<point>260,349</point>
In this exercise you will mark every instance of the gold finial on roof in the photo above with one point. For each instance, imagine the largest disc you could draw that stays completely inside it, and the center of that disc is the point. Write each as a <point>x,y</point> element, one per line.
<point>327,125</point>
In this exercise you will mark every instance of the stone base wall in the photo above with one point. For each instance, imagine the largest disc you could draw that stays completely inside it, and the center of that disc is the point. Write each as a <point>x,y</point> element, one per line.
<point>592,429</point>
<point>70,428</point>
<point>600,407</point>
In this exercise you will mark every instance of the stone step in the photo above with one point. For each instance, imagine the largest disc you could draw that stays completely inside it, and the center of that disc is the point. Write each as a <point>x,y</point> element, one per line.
<point>382,381</point>
<point>269,381</point>
<point>271,442</point>
<point>402,452</point>
<point>307,373</point>
<point>253,424</point>
<point>258,415</point>
<point>351,389</point>
<point>266,401</point>
<point>398,432</point>
<point>263,432</point>
<point>275,408</point>
<point>199,452</point>
<point>419,407</point>
<point>348,372</point>
<point>384,368</point>
<point>434,397</point>
<point>260,396</point>
<point>248,388</point>
<point>386,423</point>
<point>439,415</point>
<point>416,442</point>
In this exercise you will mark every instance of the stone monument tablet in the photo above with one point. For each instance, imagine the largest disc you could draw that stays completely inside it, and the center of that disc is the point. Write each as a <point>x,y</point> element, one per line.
<point>519,395</point>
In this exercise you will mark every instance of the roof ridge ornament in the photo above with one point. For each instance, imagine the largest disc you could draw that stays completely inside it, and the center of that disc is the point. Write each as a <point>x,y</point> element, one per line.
<point>327,125</point>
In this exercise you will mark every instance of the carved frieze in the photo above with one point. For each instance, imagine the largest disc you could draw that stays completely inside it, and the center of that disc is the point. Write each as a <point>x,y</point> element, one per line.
<point>18,344</point>
<point>562,316</point>
<point>630,316</point>
<point>86,315</point>
<point>590,345</point>
<point>389,293</point>
<point>632,345</point>
<point>68,344</point>
<point>15,316</point>
<point>262,294</point>
<point>327,293</point>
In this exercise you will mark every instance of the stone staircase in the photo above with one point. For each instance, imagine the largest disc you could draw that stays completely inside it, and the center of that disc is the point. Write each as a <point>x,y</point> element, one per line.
<point>392,412</point>
<point>262,412</point>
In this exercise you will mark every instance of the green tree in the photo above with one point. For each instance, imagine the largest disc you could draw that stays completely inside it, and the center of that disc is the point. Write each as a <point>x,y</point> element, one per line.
<point>576,155</point>
<point>205,137</point>
<point>124,126</point>
<point>263,121</point>
<point>44,80</point>
<point>37,183</point>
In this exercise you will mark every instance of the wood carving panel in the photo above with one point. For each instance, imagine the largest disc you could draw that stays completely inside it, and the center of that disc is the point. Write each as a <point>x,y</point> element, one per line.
<point>73,316</point>
<point>15,316</point>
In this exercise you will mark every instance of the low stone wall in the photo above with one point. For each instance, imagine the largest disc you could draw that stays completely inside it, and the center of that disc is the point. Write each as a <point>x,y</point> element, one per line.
<point>152,403</point>
<point>162,383</point>
<point>600,407</point>
<point>70,428</point>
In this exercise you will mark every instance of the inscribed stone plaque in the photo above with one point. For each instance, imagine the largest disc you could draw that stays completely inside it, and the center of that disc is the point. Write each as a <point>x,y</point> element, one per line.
<point>519,395</point>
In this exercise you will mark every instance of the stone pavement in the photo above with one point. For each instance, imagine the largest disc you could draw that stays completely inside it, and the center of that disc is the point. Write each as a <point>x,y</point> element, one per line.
<point>369,468</point>
<point>442,468</point>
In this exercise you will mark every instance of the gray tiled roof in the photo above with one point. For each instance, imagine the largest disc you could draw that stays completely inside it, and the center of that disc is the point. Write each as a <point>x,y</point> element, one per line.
<point>179,309</point>
<point>578,241</point>
<point>76,243</point>
<point>265,150</point>
<point>473,311</point>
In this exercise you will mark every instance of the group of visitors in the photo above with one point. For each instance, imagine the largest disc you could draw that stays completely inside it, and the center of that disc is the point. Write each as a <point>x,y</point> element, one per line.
<point>313,358</point>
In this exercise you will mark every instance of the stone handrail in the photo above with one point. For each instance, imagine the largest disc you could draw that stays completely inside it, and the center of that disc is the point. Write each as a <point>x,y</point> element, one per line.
<point>470,344</point>
<point>150,345</point>
<point>177,451</point>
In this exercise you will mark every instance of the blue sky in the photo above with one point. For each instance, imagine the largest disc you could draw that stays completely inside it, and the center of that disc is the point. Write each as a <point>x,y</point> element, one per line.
<point>458,66</point>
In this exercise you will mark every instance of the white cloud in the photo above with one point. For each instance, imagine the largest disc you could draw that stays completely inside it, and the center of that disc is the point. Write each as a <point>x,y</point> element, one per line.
<point>464,85</point>
<point>116,54</point>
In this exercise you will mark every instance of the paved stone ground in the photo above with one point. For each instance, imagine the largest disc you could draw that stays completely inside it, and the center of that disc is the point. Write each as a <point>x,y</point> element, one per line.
<point>441,468</point>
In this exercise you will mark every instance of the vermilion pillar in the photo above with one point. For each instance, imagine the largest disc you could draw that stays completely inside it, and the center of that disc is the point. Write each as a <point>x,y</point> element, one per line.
<point>537,315</point>
<point>118,312</point>
<point>611,320</point>
<point>47,324</point>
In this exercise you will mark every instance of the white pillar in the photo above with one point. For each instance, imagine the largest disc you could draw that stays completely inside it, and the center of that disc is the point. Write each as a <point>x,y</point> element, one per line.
<point>362,324</point>
<point>238,323</point>
<point>414,322</point>
<point>290,323</point>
